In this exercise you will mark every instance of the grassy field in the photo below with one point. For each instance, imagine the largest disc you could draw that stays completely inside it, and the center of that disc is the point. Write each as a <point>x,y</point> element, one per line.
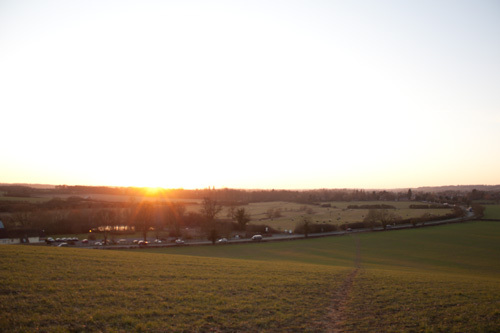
<point>444,278</point>
<point>338,213</point>
<point>291,213</point>
<point>83,290</point>
<point>492,212</point>
<point>467,248</point>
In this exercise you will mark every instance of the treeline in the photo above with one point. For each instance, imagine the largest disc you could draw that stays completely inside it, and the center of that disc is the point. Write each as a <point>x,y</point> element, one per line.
<point>241,196</point>
<point>371,207</point>
<point>101,217</point>
<point>432,206</point>
<point>56,204</point>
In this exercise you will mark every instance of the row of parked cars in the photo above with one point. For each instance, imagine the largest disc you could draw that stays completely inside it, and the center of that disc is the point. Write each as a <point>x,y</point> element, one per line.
<point>141,243</point>
<point>64,239</point>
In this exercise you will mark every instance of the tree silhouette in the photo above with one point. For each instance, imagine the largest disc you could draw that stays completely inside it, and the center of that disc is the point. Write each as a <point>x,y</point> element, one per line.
<point>242,217</point>
<point>209,209</point>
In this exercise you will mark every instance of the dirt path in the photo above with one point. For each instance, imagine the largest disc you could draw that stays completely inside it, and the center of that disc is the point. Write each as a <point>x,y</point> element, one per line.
<point>334,322</point>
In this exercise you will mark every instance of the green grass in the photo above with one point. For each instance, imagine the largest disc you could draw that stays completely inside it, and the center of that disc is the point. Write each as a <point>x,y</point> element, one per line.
<point>444,278</point>
<point>492,212</point>
<point>338,251</point>
<point>468,248</point>
<point>66,289</point>
<point>397,301</point>
<point>465,248</point>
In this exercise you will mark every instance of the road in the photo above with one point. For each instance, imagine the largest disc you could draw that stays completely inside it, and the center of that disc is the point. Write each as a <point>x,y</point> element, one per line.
<point>283,237</point>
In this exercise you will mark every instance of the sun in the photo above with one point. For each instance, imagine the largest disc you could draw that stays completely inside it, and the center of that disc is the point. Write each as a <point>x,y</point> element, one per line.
<point>152,191</point>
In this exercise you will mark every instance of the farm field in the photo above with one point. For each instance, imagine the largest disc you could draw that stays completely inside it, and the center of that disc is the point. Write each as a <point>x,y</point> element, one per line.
<point>88,290</point>
<point>464,249</point>
<point>492,212</point>
<point>443,278</point>
<point>338,213</point>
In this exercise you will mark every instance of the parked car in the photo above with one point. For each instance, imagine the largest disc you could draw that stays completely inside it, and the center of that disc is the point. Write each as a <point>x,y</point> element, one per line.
<point>257,237</point>
<point>85,241</point>
<point>98,244</point>
<point>222,241</point>
<point>142,243</point>
<point>179,241</point>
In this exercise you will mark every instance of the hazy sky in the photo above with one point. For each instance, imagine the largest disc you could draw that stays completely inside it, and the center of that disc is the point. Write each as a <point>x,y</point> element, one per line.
<point>250,94</point>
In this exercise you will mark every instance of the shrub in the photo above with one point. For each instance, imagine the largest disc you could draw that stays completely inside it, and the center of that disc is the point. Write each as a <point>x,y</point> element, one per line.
<point>315,228</point>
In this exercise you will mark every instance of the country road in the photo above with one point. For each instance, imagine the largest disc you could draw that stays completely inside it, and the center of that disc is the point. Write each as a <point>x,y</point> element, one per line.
<point>283,237</point>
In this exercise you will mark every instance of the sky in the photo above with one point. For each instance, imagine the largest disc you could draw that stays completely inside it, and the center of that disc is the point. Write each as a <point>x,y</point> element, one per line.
<point>250,94</point>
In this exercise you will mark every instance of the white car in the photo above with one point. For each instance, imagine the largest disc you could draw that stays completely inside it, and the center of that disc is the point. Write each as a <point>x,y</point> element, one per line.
<point>257,237</point>
<point>179,241</point>
<point>222,241</point>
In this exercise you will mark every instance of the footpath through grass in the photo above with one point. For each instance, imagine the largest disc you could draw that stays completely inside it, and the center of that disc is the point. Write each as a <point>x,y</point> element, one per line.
<point>443,278</point>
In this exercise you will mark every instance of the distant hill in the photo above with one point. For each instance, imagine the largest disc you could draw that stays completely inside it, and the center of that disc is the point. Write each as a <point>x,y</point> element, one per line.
<point>38,186</point>
<point>462,188</point>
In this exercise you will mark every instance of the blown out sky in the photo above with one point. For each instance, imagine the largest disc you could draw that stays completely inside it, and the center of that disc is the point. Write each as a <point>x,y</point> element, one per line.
<point>250,94</point>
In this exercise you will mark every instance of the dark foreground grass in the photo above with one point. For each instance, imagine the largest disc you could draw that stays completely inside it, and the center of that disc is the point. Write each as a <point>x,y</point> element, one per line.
<point>338,251</point>
<point>399,301</point>
<point>436,279</point>
<point>492,212</point>
<point>61,289</point>
<point>466,248</point>
<point>443,278</point>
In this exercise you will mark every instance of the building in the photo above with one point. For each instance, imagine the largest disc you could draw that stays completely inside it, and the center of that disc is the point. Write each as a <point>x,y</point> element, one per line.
<point>19,236</point>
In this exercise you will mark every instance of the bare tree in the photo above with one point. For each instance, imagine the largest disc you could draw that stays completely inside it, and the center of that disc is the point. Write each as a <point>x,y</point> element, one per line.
<point>382,216</point>
<point>386,217</point>
<point>242,217</point>
<point>22,218</point>
<point>106,219</point>
<point>144,217</point>
<point>209,209</point>
<point>371,218</point>
<point>175,214</point>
